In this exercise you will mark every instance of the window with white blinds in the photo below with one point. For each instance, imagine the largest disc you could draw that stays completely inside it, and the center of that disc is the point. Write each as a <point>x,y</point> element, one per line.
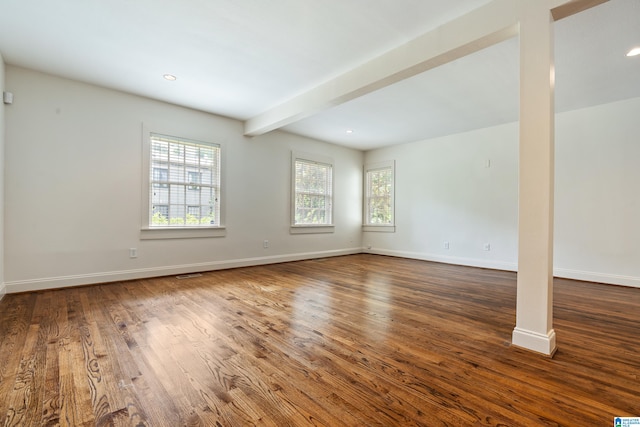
<point>379,197</point>
<point>312,190</point>
<point>184,183</point>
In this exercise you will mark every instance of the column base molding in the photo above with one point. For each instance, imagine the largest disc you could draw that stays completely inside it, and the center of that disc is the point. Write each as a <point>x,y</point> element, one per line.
<point>534,341</point>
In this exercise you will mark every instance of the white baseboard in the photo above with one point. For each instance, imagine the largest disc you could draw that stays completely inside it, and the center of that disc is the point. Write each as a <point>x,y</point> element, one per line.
<point>534,341</point>
<point>590,276</point>
<point>115,276</point>
<point>587,276</point>
<point>470,262</point>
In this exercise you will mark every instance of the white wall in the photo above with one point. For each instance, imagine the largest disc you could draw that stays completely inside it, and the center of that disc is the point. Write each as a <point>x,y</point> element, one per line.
<point>2,143</point>
<point>597,194</point>
<point>73,199</point>
<point>444,192</point>
<point>73,171</point>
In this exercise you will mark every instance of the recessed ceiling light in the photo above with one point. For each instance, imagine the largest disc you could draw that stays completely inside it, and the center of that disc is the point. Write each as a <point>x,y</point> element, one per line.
<point>169,77</point>
<point>349,131</point>
<point>634,52</point>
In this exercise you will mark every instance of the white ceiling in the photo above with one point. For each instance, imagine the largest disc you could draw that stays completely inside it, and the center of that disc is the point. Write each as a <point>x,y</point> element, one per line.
<point>240,58</point>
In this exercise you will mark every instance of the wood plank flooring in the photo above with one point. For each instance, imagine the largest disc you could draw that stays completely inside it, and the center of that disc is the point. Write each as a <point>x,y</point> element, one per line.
<point>361,340</point>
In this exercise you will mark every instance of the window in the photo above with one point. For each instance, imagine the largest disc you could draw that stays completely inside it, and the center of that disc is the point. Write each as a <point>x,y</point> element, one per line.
<point>193,178</point>
<point>162,210</point>
<point>312,193</point>
<point>379,197</point>
<point>160,177</point>
<point>183,184</point>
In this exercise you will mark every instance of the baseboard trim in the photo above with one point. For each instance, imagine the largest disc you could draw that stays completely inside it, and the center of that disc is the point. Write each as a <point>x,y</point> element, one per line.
<point>589,276</point>
<point>114,276</point>
<point>469,262</point>
<point>534,341</point>
<point>143,273</point>
<point>565,273</point>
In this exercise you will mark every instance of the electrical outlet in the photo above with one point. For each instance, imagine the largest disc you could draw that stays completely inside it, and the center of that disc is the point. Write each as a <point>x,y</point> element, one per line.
<point>445,245</point>
<point>133,253</point>
<point>265,244</point>
<point>487,247</point>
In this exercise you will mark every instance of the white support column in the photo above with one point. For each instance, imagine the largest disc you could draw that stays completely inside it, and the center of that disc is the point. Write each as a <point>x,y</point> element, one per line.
<point>534,315</point>
<point>3,288</point>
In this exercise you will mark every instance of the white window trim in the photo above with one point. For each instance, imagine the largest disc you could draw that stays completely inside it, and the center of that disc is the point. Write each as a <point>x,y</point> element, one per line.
<point>381,228</point>
<point>310,228</point>
<point>152,233</point>
<point>182,232</point>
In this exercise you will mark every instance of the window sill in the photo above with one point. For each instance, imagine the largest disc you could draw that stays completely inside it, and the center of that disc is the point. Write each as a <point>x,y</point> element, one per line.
<point>380,228</point>
<point>311,229</point>
<point>182,232</point>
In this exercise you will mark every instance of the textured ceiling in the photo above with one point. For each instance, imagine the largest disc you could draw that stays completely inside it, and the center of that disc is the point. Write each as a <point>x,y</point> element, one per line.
<point>239,58</point>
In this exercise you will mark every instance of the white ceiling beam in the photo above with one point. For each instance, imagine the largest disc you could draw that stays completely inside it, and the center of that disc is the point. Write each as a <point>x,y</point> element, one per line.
<point>564,8</point>
<point>483,27</point>
<point>490,24</point>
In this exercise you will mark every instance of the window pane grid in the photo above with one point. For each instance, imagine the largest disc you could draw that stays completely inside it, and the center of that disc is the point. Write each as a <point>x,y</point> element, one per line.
<point>313,193</point>
<point>185,183</point>
<point>379,196</point>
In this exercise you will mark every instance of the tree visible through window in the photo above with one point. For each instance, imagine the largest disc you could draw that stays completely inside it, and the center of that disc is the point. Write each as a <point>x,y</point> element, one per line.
<point>313,188</point>
<point>185,183</point>
<point>379,195</point>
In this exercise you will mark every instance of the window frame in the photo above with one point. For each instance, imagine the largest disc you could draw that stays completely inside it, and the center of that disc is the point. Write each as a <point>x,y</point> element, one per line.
<point>296,228</point>
<point>366,224</point>
<point>148,231</point>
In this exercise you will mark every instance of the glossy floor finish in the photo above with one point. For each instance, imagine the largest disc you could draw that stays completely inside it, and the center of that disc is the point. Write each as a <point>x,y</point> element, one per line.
<point>361,340</point>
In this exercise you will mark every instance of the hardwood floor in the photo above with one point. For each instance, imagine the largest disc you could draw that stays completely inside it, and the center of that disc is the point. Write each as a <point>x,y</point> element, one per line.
<point>361,340</point>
